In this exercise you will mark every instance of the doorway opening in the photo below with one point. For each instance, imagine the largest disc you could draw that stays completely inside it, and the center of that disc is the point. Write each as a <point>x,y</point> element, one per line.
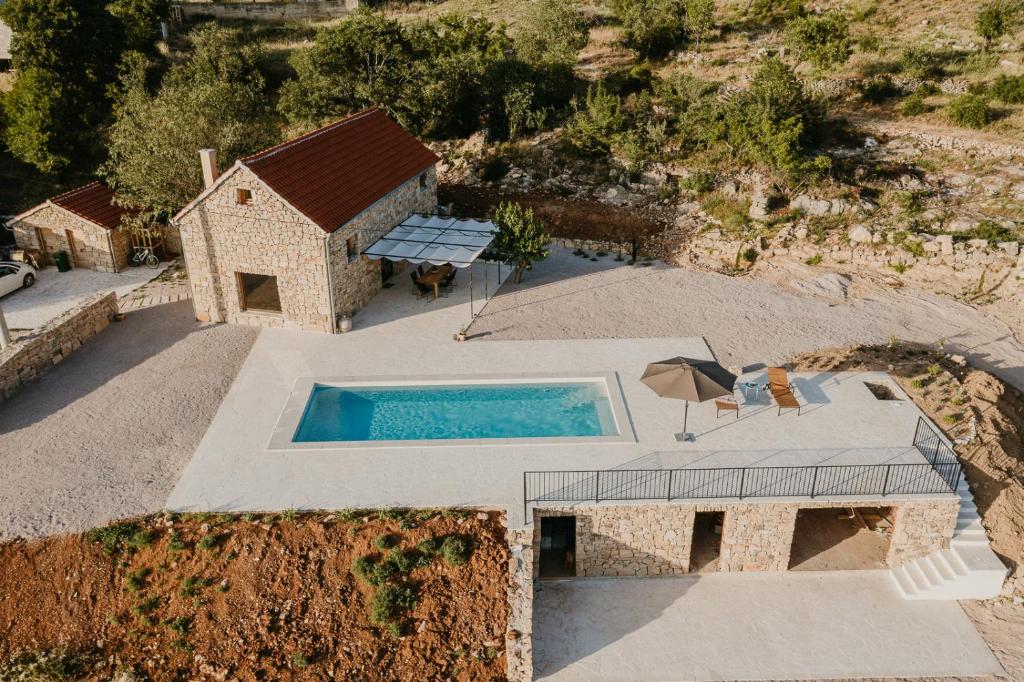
<point>706,547</point>
<point>838,539</point>
<point>557,547</point>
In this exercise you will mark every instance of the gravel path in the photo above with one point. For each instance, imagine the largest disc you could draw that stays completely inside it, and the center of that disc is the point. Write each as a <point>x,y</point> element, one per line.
<point>107,433</point>
<point>745,320</point>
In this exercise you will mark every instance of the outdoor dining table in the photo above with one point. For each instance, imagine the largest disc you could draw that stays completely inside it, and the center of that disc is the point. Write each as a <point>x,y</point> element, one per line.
<point>434,276</point>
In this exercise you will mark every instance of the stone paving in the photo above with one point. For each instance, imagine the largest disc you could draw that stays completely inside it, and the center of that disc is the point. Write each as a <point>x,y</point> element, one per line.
<point>170,286</point>
<point>782,626</point>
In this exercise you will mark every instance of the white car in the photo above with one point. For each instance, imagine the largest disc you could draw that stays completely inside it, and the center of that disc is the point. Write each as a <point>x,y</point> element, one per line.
<point>14,276</point>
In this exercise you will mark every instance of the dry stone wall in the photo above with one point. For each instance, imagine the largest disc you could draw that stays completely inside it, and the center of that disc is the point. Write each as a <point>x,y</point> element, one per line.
<point>519,631</point>
<point>268,11</point>
<point>92,247</point>
<point>222,238</point>
<point>31,356</point>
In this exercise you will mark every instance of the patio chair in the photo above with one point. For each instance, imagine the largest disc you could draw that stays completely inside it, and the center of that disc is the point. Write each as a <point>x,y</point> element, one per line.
<point>449,281</point>
<point>782,390</point>
<point>418,287</point>
<point>726,404</point>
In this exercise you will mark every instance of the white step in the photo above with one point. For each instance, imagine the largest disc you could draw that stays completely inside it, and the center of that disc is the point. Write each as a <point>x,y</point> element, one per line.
<point>941,566</point>
<point>903,582</point>
<point>954,561</point>
<point>969,526</point>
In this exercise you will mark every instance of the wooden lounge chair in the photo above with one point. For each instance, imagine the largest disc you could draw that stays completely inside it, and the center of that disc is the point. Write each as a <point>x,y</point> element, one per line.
<point>782,390</point>
<point>726,404</point>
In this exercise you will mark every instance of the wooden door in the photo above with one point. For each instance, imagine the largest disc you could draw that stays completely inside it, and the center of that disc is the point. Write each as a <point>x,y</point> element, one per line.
<point>48,244</point>
<point>81,255</point>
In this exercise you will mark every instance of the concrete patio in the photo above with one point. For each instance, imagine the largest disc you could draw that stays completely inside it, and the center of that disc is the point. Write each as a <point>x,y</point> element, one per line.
<point>400,336</point>
<point>54,292</point>
<point>835,625</point>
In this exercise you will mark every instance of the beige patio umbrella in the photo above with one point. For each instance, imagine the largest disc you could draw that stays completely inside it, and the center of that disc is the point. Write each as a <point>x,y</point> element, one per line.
<point>687,379</point>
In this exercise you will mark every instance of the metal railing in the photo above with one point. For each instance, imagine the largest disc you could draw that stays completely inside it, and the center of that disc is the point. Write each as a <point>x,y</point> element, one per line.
<point>940,474</point>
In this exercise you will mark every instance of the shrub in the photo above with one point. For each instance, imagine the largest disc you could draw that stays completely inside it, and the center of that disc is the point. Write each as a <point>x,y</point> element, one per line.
<point>934,370</point>
<point>814,260</point>
<point>385,541</point>
<point>878,89</point>
<point>700,20</point>
<point>652,27</point>
<point>913,105</point>
<point>191,586</point>
<point>141,538</point>
<point>1008,89</point>
<point>699,181</point>
<point>175,544</point>
<point>455,550</point>
<point>769,11</point>
<point>210,541</point>
<point>749,254</point>
<point>899,267</point>
<point>986,229</point>
<point>146,606</point>
<point>732,214</point>
<point>113,539</point>
<point>299,660</point>
<point>135,580</point>
<point>920,62</point>
<point>595,124</point>
<point>869,43</point>
<point>970,111</point>
<point>180,625</point>
<point>390,601</point>
<point>38,666</point>
<point>823,40</point>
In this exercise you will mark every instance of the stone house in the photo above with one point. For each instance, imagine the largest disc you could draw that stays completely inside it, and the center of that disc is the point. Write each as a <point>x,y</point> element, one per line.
<point>84,222</point>
<point>277,239</point>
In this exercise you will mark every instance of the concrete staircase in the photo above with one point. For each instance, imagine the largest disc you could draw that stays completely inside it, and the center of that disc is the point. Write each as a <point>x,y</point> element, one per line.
<point>969,569</point>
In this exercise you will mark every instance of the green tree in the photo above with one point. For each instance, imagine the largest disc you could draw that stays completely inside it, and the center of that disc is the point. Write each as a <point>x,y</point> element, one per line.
<point>66,52</point>
<point>141,20</point>
<point>596,123</point>
<point>993,21</point>
<point>652,27</point>
<point>44,118</point>
<point>214,100</point>
<point>700,20</point>
<point>823,40</point>
<point>552,32</point>
<point>520,238</point>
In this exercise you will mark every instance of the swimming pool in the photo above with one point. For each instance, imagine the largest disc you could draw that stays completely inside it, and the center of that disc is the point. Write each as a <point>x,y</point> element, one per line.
<point>349,413</point>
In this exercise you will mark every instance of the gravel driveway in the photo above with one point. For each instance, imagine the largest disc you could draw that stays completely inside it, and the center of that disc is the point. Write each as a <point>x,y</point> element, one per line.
<point>106,433</point>
<point>745,320</point>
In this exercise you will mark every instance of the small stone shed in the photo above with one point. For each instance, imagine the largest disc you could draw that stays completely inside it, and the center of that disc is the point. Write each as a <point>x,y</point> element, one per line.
<point>85,222</point>
<point>278,239</point>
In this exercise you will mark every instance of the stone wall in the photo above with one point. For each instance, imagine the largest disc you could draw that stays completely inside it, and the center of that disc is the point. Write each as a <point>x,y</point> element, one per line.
<point>221,238</point>
<point>969,259</point>
<point>519,631</point>
<point>172,240</point>
<point>268,11</point>
<point>656,539</point>
<point>355,282</point>
<point>92,241</point>
<point>33,355</point>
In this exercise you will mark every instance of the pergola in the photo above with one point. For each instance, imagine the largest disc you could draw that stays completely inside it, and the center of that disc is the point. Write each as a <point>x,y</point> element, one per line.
<point>438,240</point>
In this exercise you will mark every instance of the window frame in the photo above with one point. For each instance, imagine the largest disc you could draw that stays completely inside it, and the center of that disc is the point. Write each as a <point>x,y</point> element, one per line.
<point>243,196</point>
<point>243,298</point>
<point>352,247</point>
<point>423,181</point>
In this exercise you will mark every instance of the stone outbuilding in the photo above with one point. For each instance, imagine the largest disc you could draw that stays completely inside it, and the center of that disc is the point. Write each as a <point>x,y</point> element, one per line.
<point>277,240</point>
<point>85,222</point>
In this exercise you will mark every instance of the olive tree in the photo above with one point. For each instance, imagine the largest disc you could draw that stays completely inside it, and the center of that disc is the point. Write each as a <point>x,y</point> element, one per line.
<point>520,239</point>
<point>823,41</point>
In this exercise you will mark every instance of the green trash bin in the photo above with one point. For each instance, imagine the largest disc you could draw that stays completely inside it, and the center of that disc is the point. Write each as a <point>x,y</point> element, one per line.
<point>62,261</point>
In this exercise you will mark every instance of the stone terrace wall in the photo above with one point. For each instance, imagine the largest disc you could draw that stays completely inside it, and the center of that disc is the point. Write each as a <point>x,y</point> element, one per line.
<point>656,539</point>
<point>519,631</point>
<point>32,356</point>
<point>269,11</point>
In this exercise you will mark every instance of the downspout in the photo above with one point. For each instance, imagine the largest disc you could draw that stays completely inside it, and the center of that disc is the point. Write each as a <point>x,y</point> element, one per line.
<point>330,281</point>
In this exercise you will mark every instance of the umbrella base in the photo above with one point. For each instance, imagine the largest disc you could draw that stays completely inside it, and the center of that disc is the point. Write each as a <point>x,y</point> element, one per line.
<point>685,437</point>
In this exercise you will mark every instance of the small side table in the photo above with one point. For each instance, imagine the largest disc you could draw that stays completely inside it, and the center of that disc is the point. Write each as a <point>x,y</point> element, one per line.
<point>748,386</point>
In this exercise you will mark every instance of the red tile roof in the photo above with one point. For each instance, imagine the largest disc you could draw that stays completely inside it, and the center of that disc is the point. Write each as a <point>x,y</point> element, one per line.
<point>334,173</point>
<point>95,203</point>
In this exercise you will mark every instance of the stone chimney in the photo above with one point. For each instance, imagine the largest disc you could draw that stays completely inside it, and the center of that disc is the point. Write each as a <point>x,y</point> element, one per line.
<point>208,157</point>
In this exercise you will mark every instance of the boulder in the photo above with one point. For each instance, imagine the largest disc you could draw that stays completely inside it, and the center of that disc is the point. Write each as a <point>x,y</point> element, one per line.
<point>759,207</point>
<point>962,223</point>
<point>800,233</point>
<point>859,234</point>
<point>945,242</point>
<point>1009,248</point>
<point>811,206</point>
<point>977,243</point>
<point>932,246</point>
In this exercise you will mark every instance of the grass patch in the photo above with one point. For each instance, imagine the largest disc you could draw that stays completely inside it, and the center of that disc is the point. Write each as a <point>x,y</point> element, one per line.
<point>192,586</point>
<point>115,538</point>
<point>455,550</point>
<point>136,580</point>
<point>389,604</point>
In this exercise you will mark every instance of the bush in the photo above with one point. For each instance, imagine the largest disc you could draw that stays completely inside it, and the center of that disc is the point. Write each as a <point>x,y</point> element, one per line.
<point>814,260</point>
<point>135,580</point>
<point>749,254</point>
<point>385,541</point>
<point>115,538</point>
<point>732,214</point>
<point>970,111</point>
<point>455,550</point>
<point>878,89</point>
<point>914,105</point>
<point>390,602</point>
<point>823,40</point>
<point>869,43</point>
<point>699,181</point>
<point>769,11</point>
<point>986,229</point>
<point>1008,89</point>
<point>920,62</point>
<point>595,124</point>
<point>652,27</point>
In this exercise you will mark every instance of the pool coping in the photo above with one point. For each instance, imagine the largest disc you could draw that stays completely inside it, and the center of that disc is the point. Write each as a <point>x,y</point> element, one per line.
<point>294,408</point>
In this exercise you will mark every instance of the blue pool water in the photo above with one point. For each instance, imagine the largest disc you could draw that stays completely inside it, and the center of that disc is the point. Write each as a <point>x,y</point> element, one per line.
<point>519,410</point>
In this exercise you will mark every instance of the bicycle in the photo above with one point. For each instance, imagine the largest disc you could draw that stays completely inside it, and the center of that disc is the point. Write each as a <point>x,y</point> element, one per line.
<point>144,255</point>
